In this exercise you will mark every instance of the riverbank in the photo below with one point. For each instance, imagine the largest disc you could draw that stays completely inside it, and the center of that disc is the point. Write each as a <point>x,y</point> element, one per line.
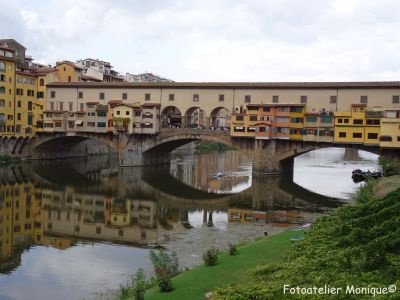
<point>356,246</point>
<point>195,283</point>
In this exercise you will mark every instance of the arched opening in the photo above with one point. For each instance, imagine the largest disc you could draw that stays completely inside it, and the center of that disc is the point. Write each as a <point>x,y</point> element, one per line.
<point>220,118</point>
<point>195,118</point>
<point>41,82</point>
<point>171,117</point>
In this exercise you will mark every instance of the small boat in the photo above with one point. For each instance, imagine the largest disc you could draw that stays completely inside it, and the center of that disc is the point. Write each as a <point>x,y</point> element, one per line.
<point>219,175</point>
<point>359,175</point>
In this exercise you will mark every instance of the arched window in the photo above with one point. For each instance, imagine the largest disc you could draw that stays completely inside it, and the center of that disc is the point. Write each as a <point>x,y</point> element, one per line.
<point>2,103</point>
<point>2,66</point>
<point>41,82</point>
<point>2,77</point>
<point>2,90</point>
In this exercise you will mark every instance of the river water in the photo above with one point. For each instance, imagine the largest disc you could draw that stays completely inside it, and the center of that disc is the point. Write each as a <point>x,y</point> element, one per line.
<point>73,229</point>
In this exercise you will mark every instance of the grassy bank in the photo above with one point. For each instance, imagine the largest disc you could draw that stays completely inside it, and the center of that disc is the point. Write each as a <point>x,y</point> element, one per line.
<point>358,245</point>
<point>194,284</point>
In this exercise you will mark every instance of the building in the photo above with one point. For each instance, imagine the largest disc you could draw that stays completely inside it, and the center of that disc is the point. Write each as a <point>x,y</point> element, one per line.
<point>96,70</point>
<point>7,91</point>
<point>68,71</point>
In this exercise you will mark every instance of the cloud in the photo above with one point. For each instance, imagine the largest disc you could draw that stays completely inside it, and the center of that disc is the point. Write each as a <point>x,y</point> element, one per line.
<point>254,40</point>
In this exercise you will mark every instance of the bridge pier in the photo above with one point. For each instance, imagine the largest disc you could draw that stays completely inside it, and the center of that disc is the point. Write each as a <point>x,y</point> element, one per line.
<point>266,159</point>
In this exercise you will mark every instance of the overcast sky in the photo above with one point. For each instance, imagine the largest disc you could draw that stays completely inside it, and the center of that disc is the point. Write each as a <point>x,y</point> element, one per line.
<point>215,40</point>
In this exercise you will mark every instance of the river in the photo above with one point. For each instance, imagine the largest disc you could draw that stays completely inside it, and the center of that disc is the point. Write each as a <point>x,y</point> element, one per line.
<point>72,229</point>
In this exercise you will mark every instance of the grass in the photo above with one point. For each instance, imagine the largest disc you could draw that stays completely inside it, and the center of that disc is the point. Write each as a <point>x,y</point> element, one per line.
<point>195,283</point>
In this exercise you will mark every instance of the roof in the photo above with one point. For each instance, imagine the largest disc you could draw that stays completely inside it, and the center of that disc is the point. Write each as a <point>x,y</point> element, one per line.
<point>11,41</point>
<point>151,104</point>
<point>128,105</point>
<point>114,101</point>
<point>70,63</point>
<point>235,85</point>
<point>90,78</point>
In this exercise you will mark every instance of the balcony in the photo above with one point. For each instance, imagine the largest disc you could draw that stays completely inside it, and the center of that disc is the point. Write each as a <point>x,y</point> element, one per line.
<point>373,114</point>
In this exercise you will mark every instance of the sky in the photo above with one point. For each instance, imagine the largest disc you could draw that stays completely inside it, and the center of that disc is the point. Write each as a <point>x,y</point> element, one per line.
<point>215,40</point>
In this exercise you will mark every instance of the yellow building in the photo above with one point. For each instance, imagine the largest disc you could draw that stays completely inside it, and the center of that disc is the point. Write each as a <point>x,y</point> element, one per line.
<point>390,129</point>
<point>7,92</point>
<point>68,71</point>
<point>349,126</point>
<point>25,97</point>
<point>296,122</point>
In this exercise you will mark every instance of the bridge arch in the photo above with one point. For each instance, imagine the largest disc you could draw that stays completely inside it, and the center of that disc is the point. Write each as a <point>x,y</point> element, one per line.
<point>220,117</point>
<point>195,117</point>
<point>59,143</point>
<point>171,116</point>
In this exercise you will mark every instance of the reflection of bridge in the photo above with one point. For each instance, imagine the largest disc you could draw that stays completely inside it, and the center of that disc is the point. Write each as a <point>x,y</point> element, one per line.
<point>268,156</point>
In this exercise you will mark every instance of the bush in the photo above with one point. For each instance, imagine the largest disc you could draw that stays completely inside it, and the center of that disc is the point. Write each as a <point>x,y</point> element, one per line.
<point>210,257</point>
<point>165,266</point>
<point>136,287</point>
<point>232,249</point>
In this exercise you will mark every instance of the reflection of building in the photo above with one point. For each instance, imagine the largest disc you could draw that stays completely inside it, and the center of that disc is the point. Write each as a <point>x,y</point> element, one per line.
<point>277,217</point>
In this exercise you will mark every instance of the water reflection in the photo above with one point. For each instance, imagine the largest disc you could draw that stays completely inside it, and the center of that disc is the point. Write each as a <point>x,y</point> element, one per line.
<point>66,205</point>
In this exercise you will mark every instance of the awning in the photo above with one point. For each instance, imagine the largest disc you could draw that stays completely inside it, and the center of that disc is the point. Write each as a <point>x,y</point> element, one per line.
<point>79,122</point>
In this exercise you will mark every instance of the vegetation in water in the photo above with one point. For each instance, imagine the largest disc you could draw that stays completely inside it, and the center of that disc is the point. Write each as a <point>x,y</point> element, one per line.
<point>205,147</point>
<point>357,245</point>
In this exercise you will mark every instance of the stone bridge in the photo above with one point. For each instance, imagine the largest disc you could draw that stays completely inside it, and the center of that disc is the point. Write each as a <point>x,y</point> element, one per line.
<point>268,156</point>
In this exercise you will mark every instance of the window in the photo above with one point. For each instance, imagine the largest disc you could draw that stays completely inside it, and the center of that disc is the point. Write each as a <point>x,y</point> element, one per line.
<point>364,99</point>
<point>196,98</point>
<point>51,105</point>
<point>19,92</point>
<point>118,112</point>
<point>70,106</point>
<point>69,78</point>
<point>326,119</point>
<point>101,96</point>
<point>238,129</point>
<point>303,99</point>
<point>57,124</point>
<point>358,121</point>
<point>296,109</point>
<point>247,98</point>
<point>40,95</point>
<point>373,122</point>
<point>171,97</point>
<point>80,95</point>
<point>342,134</point>
<point>41,82</point>
<point>333,99</point>
<point>239,118</point>
<point>3,77</point>
<point>275,99</point>
<point>29,105</point>
<point>102,114</point>
<point>2,66</point>
<point>101,124</point>
<point>127,113</point>
<point>266,109</point>
<point>52,94</point>
<point>91,124</point>
<point>124,96</point>
<point>147,97</point>
<point>253,118</point>
<point>311,119</point>
<point>61,106</point>
<point>346,121</point>
<point>396,99</point>
<point>81,108</point>
<point>221,98</point>
<point>385,138</point>
<point>340,120</point>
<point>372,136</point>
<point>357,135</point>
<point>18,116</point>
<point>2,103</point>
